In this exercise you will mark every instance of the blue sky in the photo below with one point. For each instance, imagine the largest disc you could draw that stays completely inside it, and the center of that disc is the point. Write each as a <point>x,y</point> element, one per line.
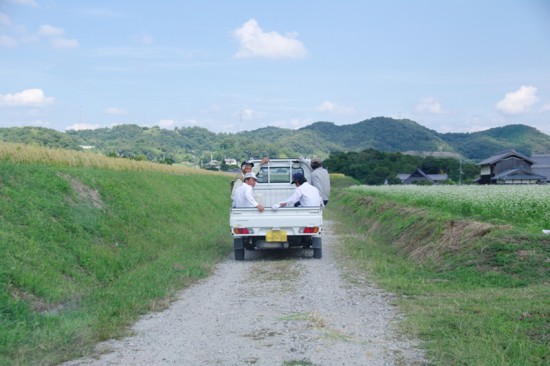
<point>229,66</point>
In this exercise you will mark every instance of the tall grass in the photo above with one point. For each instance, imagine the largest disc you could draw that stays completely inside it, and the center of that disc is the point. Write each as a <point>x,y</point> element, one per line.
<point>475,293</point>
<point>87,246</point>
<point>20,153</point>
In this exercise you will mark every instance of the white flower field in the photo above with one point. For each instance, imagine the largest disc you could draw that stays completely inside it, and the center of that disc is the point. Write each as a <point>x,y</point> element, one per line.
<point>518,204</point>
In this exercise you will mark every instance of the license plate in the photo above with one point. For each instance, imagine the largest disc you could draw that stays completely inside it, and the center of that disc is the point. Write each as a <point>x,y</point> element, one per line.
<point>278,236</point>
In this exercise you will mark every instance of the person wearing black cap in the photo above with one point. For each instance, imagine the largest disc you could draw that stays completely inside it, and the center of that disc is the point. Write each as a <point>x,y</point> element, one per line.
<point>246,167</point>
<point>305,193</point>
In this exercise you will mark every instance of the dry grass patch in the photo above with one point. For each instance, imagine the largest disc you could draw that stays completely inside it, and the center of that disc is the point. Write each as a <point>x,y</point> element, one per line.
<point>21,153</point>
<point>284,270</point>
<point>454,236</point>
<point>315,320</point>
<point>85,194</point>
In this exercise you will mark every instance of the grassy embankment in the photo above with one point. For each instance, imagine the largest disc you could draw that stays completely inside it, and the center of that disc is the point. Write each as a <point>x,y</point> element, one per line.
<point>476,291</point>
<point>88,243</point>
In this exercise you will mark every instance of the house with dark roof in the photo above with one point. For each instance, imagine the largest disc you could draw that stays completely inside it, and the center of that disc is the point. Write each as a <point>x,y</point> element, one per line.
<point>419,176</point>
<point>508,167</point>
<point>541,165</point>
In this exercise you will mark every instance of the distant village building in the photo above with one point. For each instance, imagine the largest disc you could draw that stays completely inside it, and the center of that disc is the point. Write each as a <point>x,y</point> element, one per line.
<point>419,176</point>
<point>508,167</point>
<point>231,162</point>
<point>87,147</point>
<point>541,165</point>
<point>212,165</point>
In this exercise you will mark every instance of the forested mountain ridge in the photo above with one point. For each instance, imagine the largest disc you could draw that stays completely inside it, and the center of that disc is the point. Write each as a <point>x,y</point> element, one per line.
<point>198,145</point>
<point>383,134</point>
<point>39,136</point>
<point>476,145</point>
<point>391,135</point>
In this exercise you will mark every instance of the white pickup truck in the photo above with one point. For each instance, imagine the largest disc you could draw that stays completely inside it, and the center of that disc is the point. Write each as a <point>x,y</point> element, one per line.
<point>277,228</point>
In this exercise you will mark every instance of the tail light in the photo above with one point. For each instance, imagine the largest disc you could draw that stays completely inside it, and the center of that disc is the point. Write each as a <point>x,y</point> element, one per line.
<point>310,230</point>
<point>242,230</point>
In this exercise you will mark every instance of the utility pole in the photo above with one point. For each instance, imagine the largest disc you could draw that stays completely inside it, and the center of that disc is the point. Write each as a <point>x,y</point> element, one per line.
<point>460,172</point>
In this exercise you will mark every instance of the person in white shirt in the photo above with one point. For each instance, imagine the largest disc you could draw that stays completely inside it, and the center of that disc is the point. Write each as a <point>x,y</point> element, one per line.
<point>244,196</point>
<point>246,167</point>
<point>305,194</point>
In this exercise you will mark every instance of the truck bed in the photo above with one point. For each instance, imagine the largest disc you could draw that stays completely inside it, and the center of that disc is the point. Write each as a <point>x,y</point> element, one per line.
<point>268,195</point>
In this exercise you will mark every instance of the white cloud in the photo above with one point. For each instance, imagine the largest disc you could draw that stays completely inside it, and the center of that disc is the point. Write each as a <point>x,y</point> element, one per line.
<point>519,101</point>
<point>171,123</point>
<point>29,97</point>
<point>144,38</point>
<point>328,106</point>
<point>429,105</point>
<point>244,114</point>
<point>7,41</point>
<point>167,123</point>
<point>546,107</point>
<point>82,126</point>
<point>292,123</point>
<point>147,39</point>
<point>54,34</point>
<point>471,124</point>
<point>116,111</point>
<point>47,30</point>
<point>254,42</point>
<point>64,43</point>
<point>25,2</point>
<point>247,113</point>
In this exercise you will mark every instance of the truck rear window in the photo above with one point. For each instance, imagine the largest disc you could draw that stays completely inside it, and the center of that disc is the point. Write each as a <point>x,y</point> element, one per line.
<point>277,174</point>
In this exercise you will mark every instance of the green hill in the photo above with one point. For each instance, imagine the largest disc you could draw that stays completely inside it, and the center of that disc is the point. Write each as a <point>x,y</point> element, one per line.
<point>38,136</point>
<point>477,145</point>
<point>198,146</point>
<point>383,134</point>
<point>282,142</point>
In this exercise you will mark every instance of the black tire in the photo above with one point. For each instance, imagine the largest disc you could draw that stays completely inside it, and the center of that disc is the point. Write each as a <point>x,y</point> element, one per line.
<point>239,249</point>
<point>317,253</point>
<point>317,248</point>
<point>239,254</point>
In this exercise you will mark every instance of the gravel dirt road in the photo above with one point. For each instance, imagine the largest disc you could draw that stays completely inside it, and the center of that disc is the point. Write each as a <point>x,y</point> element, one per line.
<point>274,308</point>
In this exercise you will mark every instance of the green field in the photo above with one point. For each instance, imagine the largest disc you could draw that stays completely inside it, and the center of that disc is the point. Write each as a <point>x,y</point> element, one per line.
<point>525,205</point>
<point>475,288</point>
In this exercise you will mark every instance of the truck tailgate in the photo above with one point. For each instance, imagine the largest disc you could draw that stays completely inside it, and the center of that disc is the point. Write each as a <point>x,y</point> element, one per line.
<point>289,219</point>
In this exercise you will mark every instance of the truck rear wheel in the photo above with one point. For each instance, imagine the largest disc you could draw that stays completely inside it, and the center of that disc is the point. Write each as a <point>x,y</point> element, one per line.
<point>317,253</point>
<point>317,248</point>
<point>239,249</point>
<point>239,254</point>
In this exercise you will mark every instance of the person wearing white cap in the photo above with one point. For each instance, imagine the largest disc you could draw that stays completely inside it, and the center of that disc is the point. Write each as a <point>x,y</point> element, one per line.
<point>246,167</point>
<point>244,196</point>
